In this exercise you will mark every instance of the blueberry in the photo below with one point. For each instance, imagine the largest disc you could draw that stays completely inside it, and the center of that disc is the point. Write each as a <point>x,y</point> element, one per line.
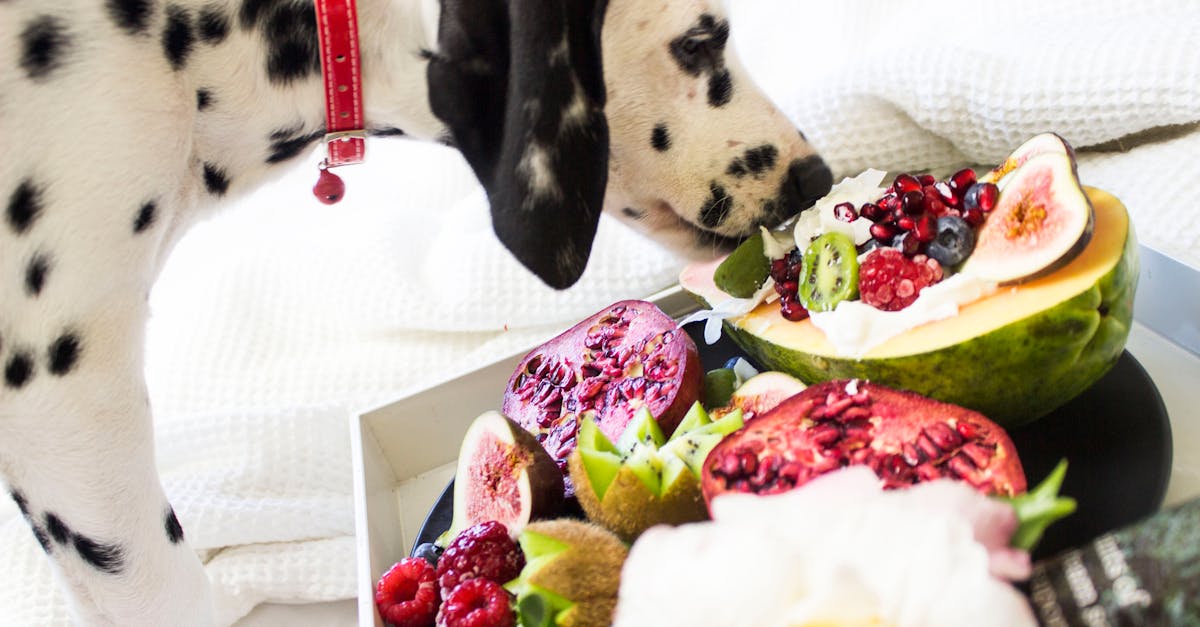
<point>954,241</point>
<point>429,552</point>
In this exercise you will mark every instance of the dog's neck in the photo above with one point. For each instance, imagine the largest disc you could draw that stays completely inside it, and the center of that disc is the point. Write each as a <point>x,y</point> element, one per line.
<point>394,33</point>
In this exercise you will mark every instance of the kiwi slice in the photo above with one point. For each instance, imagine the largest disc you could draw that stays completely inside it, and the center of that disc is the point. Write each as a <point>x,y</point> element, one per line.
<point>829,273</point>
<point>745,269</point>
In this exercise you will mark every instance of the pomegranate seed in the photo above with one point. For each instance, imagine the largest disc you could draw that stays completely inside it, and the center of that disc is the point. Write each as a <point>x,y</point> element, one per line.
<point>926,446</point>
<point>974,217</point>
<point>987,197</point>
<point>778,268</point>
<point>845,212</point>
<point>870,211</point>
<point>926,228</point>
<point>790,287</point>
<point>906,183</point>
<point>906,223</point>
<point>943,435</point>
<point>792,310</point>
<point>913,202</point>
<point>889,203</point>
<point>961,181</point>
<point>982,196</point>
<point>978,454</point>
<point>946,194</point>
<point>966,430</point>
<point>911,455</point>
<point>882,232</point>
<point>926,180</point>
<point>908,244</point>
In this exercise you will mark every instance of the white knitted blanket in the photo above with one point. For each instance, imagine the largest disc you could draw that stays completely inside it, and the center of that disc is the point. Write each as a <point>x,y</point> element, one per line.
<point>274,322</point>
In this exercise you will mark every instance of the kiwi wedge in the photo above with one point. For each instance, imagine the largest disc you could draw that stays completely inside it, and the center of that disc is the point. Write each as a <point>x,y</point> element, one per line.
<point>645,479</point>
<point>571,576</point>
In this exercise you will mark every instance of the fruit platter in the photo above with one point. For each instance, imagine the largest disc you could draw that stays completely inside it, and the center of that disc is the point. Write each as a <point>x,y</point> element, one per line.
<point>913,371</point>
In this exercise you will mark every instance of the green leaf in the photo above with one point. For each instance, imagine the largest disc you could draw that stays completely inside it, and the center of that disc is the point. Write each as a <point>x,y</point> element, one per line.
<point>1039,507</point>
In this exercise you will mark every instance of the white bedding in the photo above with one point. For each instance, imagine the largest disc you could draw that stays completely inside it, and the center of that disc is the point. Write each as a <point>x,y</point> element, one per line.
<point>273,323</point>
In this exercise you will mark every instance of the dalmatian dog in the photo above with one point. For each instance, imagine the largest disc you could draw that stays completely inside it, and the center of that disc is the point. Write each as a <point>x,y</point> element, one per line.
<point>126,121</point>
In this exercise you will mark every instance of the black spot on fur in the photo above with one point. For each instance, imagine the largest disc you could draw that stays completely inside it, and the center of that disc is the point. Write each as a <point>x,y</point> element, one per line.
<point>19,370</point>
<point>289,28</point>
<point>106,558</point>
<point>178,37</point>
<point>131,16</point>
<point>40,536</point>
<point>716,209</point>
<point>35,274</point>
<point>660,139</point>
<point>44,41</point>
<point>24,206</point>
<point>57,528</point>
<point>636,214</point>
<point>20,500</point>
<point>215,180</point>
<point>720,89</point>
<point>204,99</point>
<point>213,25</point>
<point>174,529</point>
<point>761,158</point>
<point>289,142</point>
<point>389,131</point>
<point>145,217</point>
<point>63,354</point>
<point>754,161</point>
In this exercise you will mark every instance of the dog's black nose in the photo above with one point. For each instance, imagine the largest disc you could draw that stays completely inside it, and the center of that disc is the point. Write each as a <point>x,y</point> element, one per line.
<point>807,180</point>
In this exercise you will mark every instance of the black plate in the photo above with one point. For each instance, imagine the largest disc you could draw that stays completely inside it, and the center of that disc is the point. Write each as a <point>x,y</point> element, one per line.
<point>1116,436</point>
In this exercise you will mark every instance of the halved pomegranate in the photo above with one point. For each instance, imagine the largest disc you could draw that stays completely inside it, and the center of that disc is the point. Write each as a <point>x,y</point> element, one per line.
<point>628,355</point>
<point>904,437</point>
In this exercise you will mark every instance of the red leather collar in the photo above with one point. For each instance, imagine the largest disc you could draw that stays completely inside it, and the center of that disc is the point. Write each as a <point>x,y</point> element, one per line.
<point>341,70</point>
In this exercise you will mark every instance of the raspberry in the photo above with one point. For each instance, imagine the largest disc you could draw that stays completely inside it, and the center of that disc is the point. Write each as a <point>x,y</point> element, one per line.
<point>477,603</point>
<point>484,550</point>
<point>890,281</point>
<point>407,595</point>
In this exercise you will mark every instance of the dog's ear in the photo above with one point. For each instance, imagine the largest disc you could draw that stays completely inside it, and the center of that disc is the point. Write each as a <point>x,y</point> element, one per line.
<point>519,84</point>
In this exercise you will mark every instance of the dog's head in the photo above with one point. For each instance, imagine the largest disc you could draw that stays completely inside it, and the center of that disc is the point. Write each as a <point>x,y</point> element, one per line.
<point>562,108</point>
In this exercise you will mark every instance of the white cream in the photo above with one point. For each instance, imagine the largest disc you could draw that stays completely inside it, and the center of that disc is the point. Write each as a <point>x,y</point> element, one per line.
<point>855,327</point>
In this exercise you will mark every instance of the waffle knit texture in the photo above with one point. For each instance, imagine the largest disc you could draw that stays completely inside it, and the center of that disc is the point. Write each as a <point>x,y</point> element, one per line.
<point>273,323</point>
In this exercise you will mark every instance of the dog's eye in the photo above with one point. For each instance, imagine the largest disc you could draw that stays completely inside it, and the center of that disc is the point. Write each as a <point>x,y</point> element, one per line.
<point>700,47</point>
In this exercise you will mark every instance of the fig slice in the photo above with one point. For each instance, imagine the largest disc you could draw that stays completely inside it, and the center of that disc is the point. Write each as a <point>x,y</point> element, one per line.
<point>1042,220</point>
<point>760,394</point>
<point>1034,146</point>
<point>503,475</point>
<point>627,356</point>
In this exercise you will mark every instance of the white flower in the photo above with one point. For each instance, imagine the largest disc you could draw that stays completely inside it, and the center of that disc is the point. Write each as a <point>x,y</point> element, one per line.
<point>839,551</point>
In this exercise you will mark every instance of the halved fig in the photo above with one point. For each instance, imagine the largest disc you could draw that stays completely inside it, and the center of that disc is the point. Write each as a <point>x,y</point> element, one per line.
<point>627,356</point>
<point>760,394</point>
<point>1034,146</point>
<point>503,475</point>
<point>1042,220</point>
<point>905,438</point>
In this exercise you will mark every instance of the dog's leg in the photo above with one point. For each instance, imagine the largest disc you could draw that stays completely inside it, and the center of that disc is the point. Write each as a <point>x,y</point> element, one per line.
<point>80,465</point>
<point>97,169</point>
